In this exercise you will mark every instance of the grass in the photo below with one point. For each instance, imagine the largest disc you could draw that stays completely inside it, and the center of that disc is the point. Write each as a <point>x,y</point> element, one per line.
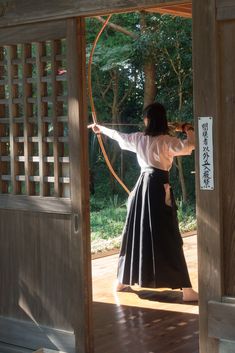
<point>186,217</point>
<point>108,218</point>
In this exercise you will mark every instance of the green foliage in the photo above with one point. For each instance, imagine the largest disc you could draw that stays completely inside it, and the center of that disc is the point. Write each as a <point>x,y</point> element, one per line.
<point>189,169</point>
<point>186,217</point>
<point>107,217</point>
<point>166,40</point>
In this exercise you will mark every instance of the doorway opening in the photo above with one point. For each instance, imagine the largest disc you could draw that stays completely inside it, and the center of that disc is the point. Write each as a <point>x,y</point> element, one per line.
<point>141,57</point>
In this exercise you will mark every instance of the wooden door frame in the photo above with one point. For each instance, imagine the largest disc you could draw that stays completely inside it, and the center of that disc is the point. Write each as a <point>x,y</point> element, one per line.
<point>207,86</point>
<point>77,208</point>
<point>78,116</point>
<point>206,102</point>
<point>13,12</point>
<point>213,33</point>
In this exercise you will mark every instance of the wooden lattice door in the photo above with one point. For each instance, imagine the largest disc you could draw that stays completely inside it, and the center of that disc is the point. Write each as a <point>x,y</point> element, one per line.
<point>44,232</point>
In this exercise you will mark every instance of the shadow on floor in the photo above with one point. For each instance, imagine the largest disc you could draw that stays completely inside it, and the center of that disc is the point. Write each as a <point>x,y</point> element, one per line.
<point>130,329</point>
<point>165,296</point>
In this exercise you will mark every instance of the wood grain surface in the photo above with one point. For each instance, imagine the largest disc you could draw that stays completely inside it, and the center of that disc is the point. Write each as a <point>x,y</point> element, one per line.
<point>143,320</point>
<point>13,12</point>
<point>209,203</point>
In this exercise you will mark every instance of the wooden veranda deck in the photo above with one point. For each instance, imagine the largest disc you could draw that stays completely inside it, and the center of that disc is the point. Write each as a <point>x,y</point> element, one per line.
<point>143,321</point>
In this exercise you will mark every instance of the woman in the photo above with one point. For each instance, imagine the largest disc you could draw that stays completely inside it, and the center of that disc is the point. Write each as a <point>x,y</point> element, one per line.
<point>151,253</point>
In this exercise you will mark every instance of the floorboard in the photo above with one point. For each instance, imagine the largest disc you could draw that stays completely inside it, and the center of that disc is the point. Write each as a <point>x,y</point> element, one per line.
<point>142,320</point>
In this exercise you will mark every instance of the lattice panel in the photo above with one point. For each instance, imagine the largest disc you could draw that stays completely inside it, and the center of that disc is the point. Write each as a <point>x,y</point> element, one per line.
<point>34,158</point>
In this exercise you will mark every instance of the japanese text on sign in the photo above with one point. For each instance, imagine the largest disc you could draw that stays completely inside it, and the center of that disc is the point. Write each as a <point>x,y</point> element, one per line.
<point>206,165</point>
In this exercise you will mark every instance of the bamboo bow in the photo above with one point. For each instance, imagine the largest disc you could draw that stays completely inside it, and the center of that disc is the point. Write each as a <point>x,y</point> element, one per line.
<point>93,110</point>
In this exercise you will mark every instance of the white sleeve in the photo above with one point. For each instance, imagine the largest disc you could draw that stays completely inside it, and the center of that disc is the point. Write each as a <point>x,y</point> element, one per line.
<point>125,141</point>
<point>178,147</point>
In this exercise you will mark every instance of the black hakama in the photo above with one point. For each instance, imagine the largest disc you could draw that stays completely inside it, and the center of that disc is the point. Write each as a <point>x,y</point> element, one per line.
<point>151,252</point>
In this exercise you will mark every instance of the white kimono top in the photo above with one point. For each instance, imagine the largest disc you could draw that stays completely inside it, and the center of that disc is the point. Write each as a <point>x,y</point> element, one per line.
<point>153,151</point>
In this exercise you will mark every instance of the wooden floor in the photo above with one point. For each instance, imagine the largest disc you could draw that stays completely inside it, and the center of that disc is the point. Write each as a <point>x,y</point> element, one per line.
<point>143,321</point>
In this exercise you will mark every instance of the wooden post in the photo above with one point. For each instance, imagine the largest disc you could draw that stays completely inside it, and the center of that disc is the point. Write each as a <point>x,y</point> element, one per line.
<point>12,114</point>
<point>40,51</point>
<point>214,92</point>
<point>209,203</point>
<point>79,175</point>
<point>27,92</point>
<point>227,131</point>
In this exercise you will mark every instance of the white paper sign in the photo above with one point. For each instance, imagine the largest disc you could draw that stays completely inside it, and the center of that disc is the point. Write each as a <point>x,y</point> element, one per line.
<point>206,165</point>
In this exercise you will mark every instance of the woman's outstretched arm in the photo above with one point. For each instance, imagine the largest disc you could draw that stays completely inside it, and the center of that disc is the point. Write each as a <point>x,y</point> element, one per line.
<point>125,141</point>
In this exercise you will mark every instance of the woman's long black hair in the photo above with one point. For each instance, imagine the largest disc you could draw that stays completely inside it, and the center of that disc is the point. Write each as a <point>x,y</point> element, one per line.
<point>156,120</point>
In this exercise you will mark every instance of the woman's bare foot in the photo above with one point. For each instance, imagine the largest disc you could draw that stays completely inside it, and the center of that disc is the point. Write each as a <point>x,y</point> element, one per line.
<point>119,287</point>
<point>189,295</point>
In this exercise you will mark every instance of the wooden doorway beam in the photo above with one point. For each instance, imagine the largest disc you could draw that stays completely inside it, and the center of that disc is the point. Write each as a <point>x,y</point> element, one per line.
<point>182,10</point>
<point>14,12</point>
